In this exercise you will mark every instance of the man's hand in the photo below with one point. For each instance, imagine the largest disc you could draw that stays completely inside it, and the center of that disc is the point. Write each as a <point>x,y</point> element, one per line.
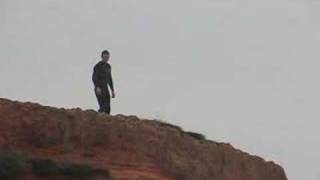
<point>98,90</point>
<point>113,94</point>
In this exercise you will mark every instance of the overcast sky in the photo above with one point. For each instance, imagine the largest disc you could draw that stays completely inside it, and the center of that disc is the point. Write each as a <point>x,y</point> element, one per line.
<point>238,71</point>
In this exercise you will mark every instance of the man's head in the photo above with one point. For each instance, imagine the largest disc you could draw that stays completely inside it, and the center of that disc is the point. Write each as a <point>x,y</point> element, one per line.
<point>105,55</point>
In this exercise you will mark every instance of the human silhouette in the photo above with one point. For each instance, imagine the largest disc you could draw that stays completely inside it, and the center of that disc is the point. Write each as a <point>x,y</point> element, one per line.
<point>101,78</point>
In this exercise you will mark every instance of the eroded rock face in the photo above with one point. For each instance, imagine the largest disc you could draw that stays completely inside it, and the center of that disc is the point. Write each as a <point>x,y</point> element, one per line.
<point>130,147</point>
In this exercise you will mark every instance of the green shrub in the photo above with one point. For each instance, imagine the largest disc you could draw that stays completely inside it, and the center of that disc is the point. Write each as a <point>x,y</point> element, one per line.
<point>44,167</point>
<point>11,165</point>
<point>196,135</point>
<point>77,170</point>
<point>83,171</point>
<point>103,172</point>
<point>166,124</point>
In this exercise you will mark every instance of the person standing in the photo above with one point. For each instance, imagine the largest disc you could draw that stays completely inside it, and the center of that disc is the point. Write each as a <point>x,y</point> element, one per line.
<point>101,78</point>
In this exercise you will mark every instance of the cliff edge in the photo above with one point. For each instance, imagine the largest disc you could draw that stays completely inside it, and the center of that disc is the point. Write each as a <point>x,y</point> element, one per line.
<point>131,148</point>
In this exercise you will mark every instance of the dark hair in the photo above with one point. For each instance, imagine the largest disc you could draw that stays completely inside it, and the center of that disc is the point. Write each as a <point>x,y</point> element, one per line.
<point>105,52</point>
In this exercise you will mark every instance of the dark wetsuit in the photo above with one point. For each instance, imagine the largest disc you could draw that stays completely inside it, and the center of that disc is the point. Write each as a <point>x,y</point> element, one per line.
<point>101,77</point>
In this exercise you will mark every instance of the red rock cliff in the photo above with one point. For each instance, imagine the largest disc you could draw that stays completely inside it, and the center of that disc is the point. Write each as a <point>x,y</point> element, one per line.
<point>130,147</point>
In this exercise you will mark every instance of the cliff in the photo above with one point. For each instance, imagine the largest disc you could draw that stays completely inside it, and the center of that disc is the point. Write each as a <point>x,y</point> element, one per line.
<point>129,147</point>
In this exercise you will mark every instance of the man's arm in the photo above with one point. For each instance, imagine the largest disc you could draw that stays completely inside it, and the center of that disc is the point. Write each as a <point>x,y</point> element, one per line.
<point>111,82</point>
<point>95,77</point>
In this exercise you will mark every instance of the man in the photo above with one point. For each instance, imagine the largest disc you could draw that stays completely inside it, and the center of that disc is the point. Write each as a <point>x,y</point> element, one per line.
<point>101,78</point>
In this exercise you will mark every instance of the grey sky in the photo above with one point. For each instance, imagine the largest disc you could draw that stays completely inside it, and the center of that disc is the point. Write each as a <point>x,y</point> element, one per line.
<point>238,71</point>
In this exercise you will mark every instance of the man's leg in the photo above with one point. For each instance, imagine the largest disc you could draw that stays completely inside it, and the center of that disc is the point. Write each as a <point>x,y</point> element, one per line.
<point>101,101</point>
<point>107,101</point>
<point>104,96</point>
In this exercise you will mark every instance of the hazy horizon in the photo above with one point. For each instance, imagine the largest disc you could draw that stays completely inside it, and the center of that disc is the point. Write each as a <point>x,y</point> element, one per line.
<point>244,72</point>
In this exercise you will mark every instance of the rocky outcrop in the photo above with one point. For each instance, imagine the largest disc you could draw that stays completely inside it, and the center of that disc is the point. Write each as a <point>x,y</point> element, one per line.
<point>130,147</point>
